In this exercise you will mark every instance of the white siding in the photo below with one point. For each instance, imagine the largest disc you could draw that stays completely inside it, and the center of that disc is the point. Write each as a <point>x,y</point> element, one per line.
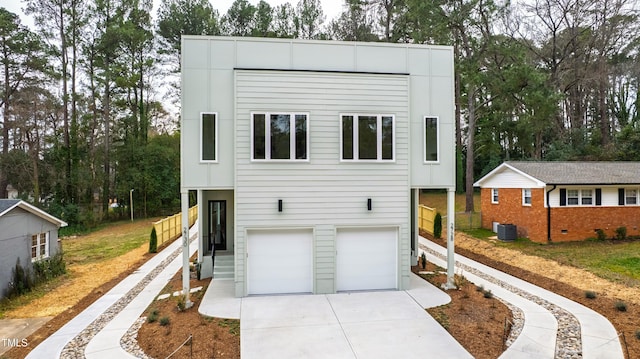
<point>509,178</point>
<point>323,192</point>
<point>609,195</point>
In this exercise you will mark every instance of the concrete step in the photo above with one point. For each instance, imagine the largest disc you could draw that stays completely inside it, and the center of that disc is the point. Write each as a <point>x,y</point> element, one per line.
<point>223,275</point>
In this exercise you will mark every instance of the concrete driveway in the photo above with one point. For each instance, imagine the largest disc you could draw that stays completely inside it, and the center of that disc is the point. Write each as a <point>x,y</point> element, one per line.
<point>386,324</point>
<point>13,332</point>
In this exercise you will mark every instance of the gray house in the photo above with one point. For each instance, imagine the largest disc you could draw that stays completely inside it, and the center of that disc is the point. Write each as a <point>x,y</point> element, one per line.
<point>26,232</point>
<point>308,157</point>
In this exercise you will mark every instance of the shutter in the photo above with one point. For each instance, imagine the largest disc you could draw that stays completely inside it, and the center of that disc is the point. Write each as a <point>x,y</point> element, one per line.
<point>598,196</point>
<point>621,196</point>
<point>563,196</point>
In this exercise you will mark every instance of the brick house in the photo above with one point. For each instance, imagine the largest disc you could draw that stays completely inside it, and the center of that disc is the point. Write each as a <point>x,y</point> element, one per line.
<point>562,201</point>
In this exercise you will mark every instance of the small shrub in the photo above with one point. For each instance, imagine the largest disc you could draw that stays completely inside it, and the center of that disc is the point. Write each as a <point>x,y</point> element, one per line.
<point>589,294</point>
<point>480,288</point>
<point>22,280</point>
<point>182,303</point>
<point>437,225</point>
<point>621,233</point>
<point>49,268</point>
<point>164,321</point>
<point>638,334</point>
<point>488,294</point>
<point>600,233</point>
<point>423,260</point>
<point>621,306</point>
<point>153,241</point>
<point>153,317</point>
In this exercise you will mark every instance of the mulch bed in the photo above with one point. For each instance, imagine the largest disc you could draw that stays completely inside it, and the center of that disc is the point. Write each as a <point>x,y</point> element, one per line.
<point>627,323</point>
<point>210,337</point>
<point>476,320</point>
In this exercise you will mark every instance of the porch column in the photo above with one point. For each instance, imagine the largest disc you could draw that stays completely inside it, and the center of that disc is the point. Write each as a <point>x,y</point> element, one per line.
<point>185,247</point>
<point>451,202</point>
<point>415,226</point>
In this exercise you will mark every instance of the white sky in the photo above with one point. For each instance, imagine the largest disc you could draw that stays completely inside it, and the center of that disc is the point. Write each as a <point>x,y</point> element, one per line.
<point>331,8</point>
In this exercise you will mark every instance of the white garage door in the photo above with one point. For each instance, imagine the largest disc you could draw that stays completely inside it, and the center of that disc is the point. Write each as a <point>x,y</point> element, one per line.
<point>366,258</point>
<point>279,261</point>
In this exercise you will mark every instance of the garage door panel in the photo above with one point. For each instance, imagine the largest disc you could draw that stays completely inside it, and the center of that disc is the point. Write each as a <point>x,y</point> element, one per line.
<point>279,261</point>
<point>366,259</point>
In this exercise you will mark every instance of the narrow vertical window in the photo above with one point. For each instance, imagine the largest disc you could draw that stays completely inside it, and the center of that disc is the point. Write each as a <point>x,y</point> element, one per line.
<point>280,137</point>
<point>494,195</point>
<point>347,137</point>
<point>387,137</point>
<point>526,196</point>
<point>367,137</point>
<point>208,133</point>
<point>301,137</point>
<point>431,139</point>
<point>259,137</point>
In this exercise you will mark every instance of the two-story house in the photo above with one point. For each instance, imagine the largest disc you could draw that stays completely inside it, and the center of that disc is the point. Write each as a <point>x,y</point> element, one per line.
<point>308,157</point>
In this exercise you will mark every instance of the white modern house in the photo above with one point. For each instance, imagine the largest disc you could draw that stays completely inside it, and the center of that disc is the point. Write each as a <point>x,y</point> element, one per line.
<point>308,157</point>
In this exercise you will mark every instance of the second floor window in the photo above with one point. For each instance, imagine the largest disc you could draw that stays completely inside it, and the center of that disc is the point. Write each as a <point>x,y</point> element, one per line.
<point>431,139</point>
<point>367,137</point>
<point>279,136</point>
<point>208,137</point>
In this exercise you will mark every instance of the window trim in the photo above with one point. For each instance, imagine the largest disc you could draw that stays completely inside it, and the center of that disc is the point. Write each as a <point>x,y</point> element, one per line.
<point>39,244</point>
<point>267,136</point>
<point>355,142</point>
<point>524,197</point>
<point>594,197</point>
<point>215,125</point>
<point>495,196</point>
<point>424,142</point>
<point>627,196</point>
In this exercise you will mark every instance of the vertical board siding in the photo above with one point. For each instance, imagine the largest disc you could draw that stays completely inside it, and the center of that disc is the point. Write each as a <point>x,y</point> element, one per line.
<point>322,192</point>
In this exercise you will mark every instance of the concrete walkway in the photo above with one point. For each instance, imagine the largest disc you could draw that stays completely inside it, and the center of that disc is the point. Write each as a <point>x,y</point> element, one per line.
<point>538,337</point>
<point>380,324</point>
<point>53,346</point>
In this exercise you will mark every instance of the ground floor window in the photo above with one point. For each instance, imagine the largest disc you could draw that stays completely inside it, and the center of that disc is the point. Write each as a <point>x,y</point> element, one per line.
<point>39,246</point>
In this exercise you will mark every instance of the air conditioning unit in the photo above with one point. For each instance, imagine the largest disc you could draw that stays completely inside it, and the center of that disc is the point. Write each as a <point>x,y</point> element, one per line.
<point>507,232</point>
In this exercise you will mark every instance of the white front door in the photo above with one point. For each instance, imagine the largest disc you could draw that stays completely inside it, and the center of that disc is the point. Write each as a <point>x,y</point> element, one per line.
<point>366,258</point>
<point>279,261</point>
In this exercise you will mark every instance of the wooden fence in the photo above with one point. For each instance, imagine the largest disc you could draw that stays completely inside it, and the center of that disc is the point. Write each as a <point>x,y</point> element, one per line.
<point>170,228</point>
<point>425,218</point>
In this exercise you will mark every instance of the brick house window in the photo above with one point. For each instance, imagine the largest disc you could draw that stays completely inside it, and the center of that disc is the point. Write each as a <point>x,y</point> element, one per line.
<point>573,197</point>
<point>631,196</point>
<point>526,196</point>
<point>494,195</point>
<point>586,197</point>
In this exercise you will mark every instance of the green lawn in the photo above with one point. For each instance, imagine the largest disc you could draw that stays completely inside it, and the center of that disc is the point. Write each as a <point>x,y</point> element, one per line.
<point>109,242</point>
<point>611,260</point>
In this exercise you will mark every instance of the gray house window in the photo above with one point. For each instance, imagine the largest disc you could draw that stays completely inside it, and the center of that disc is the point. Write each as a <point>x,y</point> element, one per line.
<point>208,137</point>
<point>431,137</point>
<point>279,136</point>
<point>39,246</point>
<point>367,137</point>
